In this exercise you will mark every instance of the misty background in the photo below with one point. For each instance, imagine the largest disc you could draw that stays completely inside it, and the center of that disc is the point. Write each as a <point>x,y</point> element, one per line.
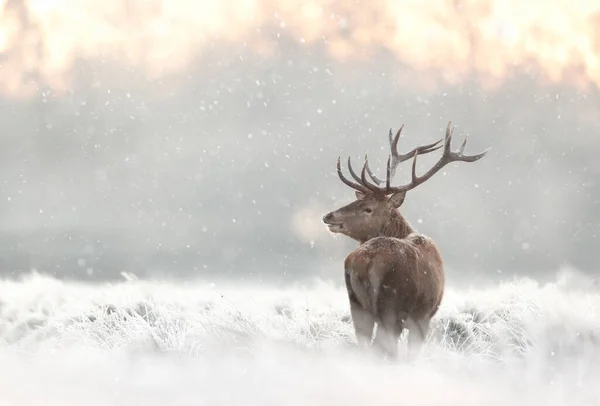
<point>224,168</point>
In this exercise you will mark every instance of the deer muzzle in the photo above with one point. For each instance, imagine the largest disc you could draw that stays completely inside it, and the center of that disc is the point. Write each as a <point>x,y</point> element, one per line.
<point>331,224</point>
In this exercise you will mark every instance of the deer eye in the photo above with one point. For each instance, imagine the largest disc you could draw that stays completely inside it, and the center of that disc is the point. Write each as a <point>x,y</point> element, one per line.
<point>369,210</point>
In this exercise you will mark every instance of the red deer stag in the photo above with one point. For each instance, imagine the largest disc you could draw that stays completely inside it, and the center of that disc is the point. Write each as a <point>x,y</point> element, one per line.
<point>395,278</point>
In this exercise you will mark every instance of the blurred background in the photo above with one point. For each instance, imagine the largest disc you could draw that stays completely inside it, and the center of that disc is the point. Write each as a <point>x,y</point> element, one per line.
<point>181,138</point>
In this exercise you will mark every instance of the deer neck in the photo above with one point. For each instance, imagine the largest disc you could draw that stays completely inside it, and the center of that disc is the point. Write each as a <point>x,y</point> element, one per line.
<point>396,226</point>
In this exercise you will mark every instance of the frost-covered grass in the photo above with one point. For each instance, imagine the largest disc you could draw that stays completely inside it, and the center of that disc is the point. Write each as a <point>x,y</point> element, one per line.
<point>141,342</point>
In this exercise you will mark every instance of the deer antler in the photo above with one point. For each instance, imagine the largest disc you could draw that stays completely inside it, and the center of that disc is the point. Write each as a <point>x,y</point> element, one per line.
<point>447,157</point>
<point>363,185</point>
<point>396,158</point>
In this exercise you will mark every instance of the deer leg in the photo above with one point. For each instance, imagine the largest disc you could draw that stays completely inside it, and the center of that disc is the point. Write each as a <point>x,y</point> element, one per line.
<point>362,319</point>
<point>389,329</point>
<point>363,323</point>
<point>417,332</point>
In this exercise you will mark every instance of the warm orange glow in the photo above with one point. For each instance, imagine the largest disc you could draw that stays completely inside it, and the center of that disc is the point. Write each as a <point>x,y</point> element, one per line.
<point>40,39</point>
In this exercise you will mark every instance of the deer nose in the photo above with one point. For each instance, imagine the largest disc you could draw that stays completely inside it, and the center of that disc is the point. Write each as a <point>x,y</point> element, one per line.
<point>327,217</point>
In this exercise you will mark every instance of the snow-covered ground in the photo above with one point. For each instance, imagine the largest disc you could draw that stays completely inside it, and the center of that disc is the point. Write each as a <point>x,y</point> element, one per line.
<point>150,343</point>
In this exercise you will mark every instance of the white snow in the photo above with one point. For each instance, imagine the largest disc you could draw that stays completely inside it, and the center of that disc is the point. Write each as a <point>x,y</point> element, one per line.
<point>199,343</point>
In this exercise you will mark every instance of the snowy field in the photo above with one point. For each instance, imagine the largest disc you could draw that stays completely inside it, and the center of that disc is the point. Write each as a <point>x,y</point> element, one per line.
<point>150,343</point>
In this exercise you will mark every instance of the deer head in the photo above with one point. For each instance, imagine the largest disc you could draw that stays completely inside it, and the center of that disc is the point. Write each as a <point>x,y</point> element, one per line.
<point>374,212</point>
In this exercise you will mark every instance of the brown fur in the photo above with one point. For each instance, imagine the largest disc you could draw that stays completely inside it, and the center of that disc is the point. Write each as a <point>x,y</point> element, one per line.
<point>395,278</point>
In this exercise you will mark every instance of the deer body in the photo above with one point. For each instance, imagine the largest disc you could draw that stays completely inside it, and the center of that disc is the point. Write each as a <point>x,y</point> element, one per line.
<point>395,283</point>
<point>395,277</point>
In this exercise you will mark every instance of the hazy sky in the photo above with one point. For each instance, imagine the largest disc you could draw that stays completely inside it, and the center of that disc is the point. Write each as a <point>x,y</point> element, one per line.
<point>189,138</point>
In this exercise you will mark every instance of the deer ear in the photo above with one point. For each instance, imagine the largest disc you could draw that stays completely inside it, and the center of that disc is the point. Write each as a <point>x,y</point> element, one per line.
<point>396,200</point>
<point>359,195</point>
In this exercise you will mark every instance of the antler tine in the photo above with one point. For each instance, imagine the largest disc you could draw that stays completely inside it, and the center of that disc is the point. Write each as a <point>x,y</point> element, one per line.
<point>447,157</point>
<point>353,185</point>
<point>364,180</point>
<point>394,141</point>
<point>352,173</point>
<point>464,144</point>
<point>448,138</point>
<point>388,177</point>
<point>413,173</point>
<point>371,174</point>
